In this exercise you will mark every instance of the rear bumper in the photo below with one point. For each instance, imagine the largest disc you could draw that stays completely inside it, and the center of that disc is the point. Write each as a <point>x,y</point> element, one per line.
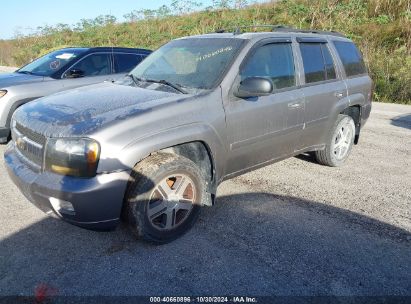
<point>365,113</point>
<point>97,201</point>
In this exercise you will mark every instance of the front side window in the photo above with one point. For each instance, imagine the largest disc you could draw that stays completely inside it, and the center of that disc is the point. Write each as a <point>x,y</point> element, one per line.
<point>350,57</point>
<point>192,63</point>
<point>94,65</point>
<point>52,63</point>
<point>317,61</point>
<point>124,63</point>
<point>273,61</point>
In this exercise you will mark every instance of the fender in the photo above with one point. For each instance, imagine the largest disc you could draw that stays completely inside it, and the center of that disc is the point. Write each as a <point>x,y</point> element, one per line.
<point>357,99</point>
<point>354,100</point>
<point>337,109</point>
<point>340,106</point>
<point>349,101</point>
<point>142,147</point>
<point>14,107</point>
<point>361,101</point>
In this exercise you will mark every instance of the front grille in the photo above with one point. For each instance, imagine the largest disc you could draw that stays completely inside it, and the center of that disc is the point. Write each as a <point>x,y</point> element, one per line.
<point>30,134</point>
<point>29,144</point>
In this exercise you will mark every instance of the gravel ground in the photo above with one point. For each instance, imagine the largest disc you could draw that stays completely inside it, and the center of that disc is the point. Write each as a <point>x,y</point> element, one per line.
<point>292,228</point>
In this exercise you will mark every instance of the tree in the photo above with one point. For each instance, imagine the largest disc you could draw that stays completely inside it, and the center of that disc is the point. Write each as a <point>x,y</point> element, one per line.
<point>184,6</point>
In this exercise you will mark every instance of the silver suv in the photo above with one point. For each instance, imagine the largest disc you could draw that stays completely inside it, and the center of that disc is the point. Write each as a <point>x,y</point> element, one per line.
<point>61,70</point>
<point>152,148</point>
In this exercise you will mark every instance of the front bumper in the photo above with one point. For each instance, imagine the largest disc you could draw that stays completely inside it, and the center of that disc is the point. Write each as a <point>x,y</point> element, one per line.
<point>97,201</point>
<point>4,134</point>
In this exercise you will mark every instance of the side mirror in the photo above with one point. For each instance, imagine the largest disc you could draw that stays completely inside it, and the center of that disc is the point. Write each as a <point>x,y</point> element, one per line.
<point>75,73</point>
<point>253,87</point>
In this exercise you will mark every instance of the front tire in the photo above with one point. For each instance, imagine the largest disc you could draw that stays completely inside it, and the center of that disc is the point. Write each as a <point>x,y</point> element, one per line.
<point>164,197</point>
<point>339,143</point>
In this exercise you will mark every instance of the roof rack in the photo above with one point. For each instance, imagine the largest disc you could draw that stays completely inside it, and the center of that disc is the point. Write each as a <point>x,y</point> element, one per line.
<point>282,28</point>
<point>238,29</point>
<point>279,28</point>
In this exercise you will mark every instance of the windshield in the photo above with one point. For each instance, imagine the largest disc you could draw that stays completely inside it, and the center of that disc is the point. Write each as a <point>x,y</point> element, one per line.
<point>52,62</point>
<point>194,63</point>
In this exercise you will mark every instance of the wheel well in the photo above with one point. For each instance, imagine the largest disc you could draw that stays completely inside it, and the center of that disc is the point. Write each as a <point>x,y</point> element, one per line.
<point>199,153</point>
<point>15,106</point>
<point>355,113</point>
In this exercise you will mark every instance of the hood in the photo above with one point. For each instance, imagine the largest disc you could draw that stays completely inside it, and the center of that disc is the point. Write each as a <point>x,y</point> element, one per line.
<point>12,79</point>
<point>88,109</point>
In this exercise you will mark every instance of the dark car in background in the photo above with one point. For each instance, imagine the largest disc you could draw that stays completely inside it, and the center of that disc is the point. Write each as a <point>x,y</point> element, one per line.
<point>60,70</point>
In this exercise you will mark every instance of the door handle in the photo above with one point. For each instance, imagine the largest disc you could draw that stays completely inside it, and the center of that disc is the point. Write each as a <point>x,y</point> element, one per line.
<point>295,105</point>
<point>339,94</point>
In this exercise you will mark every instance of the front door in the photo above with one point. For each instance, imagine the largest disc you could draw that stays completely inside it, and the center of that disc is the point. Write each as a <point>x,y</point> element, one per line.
<point>264,128</point>
<point>96,68</point>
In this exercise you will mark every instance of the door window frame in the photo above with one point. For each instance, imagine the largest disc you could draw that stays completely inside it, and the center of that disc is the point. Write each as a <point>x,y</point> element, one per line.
<point>142,57</point>
<point>336,62</point>
<point>268,41</point>
<point>94,53</point>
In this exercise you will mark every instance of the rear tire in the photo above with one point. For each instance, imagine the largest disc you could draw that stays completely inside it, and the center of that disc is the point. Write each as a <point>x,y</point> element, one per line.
<point>164,196</point>
<point>339,143</point>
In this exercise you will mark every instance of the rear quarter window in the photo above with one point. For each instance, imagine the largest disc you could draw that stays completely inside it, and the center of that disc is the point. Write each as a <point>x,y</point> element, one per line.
<point>351,58</point>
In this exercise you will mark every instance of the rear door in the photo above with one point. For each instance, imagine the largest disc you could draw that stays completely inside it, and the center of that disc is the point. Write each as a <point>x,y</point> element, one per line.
<point>323,88</point>
<point>264,128</point>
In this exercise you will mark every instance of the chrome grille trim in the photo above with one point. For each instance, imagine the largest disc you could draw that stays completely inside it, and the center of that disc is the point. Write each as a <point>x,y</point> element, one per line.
<point>29,145</point>
<point>29,162</point>
<point>26,132</point>
<point>38,146</point>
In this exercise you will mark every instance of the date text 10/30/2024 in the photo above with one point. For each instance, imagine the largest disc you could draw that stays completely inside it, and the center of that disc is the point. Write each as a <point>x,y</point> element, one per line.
<point>203,300</point>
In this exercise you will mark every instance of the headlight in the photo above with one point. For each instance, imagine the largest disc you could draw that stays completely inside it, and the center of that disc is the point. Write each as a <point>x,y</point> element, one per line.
<point>74,157</point>
<point>2,93</point>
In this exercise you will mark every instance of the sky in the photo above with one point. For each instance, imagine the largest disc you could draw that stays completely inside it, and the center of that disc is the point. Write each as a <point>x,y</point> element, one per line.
<point>21,15</point>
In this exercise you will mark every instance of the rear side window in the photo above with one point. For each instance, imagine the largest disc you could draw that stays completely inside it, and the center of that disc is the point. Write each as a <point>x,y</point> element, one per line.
<point>329,63</point>
<point>274,61</point>
<point>317,61</point>
<point>351,58</point>
<point>124,63</point>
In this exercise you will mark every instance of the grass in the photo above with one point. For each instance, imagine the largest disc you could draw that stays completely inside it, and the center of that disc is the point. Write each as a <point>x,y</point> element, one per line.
<point>381,28</point>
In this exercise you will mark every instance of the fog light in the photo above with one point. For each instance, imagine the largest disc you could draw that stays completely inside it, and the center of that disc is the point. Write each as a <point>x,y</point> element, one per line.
<point>61,206</point>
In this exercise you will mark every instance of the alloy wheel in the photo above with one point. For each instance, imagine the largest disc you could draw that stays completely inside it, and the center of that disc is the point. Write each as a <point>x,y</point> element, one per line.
<point>343,140</point>
<point>171,202</point>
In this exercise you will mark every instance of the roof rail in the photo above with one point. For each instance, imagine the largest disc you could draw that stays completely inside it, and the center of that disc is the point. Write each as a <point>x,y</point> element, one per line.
<point>238,29</point>
<point>279,28</point>
<point>282,28</point>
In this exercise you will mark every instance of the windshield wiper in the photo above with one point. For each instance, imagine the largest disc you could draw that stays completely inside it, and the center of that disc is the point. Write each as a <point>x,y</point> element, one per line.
<point>134,78</point>
<point>25,72</point>
<point>176,86</point>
